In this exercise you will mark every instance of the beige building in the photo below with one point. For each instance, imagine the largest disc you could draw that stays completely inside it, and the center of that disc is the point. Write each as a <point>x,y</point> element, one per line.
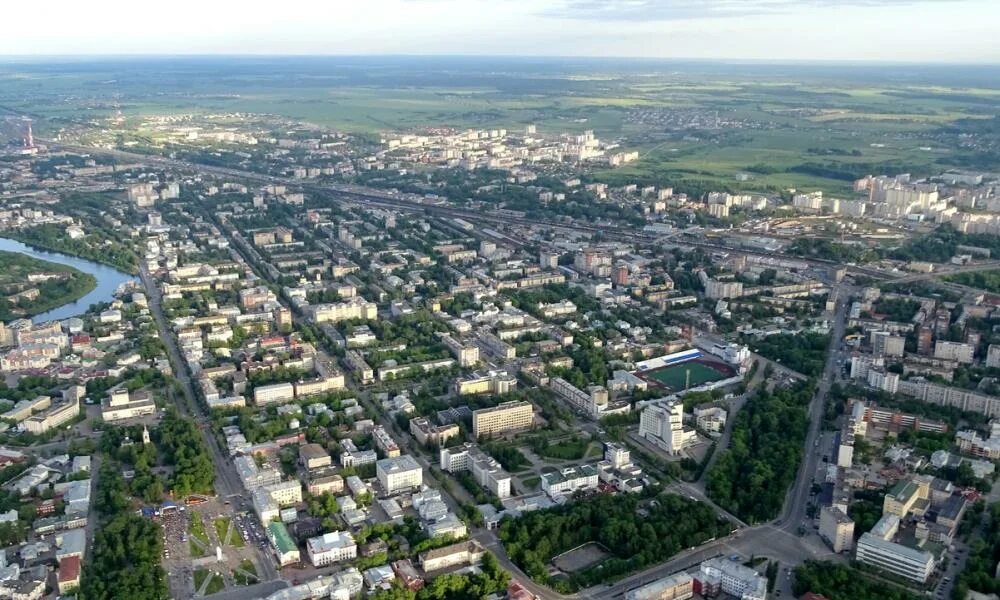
<point>53,416</point>
<point>836,528</point>
<point>314,456</point>
<point>911,495</point>
<point>122,405</point>
<point>509,416</point>
<point>426,433</point>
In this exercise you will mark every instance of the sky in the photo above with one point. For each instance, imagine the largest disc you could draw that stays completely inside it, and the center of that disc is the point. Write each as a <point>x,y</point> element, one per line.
<point>959,31</point>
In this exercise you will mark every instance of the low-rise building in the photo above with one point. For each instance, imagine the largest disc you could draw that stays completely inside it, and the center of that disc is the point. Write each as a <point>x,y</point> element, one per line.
<point>332,547</point>
<point>462,553</point>
<point>569,480</point>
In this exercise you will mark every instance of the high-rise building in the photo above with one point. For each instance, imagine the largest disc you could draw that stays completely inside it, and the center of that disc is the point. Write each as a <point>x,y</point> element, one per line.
<point>662,423</point>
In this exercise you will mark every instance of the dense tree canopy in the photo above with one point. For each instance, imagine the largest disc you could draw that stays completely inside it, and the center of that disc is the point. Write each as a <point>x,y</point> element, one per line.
<point>751,477</point>
<point>635,531</point>
<point>126,562</point>
<point>804,352</point>
<point>184,448</point>
<point>840,582</point>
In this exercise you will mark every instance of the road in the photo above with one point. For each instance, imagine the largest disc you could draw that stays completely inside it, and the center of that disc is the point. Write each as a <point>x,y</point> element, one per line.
<point>794,512</point>
<point>227,482</point>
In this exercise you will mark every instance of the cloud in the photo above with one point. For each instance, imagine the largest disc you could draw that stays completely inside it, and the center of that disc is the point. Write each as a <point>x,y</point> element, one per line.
<point>673,10</point>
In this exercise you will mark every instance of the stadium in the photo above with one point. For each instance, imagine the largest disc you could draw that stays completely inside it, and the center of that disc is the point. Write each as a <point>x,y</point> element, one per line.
<point>685,371</point>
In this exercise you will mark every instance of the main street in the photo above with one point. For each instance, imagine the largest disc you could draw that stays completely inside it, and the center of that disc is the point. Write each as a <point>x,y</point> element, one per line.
<point>227,482</point>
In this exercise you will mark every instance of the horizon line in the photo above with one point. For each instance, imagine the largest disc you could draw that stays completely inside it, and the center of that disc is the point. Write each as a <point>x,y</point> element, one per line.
<point>40,57</point>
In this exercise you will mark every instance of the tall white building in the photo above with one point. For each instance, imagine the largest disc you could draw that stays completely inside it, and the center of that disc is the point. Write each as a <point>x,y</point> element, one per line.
<point>662,423</point>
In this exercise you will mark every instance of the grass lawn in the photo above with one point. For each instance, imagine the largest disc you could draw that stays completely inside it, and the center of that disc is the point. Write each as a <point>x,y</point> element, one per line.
<point>532,482</point>
<point>196,551</point>
<point>594,451</point>
<point>199,578</point>
<point>216,585</point>
<point>222,528</point>
<point>236,539</point>
<point>196,527</point>
<point>246,574</point>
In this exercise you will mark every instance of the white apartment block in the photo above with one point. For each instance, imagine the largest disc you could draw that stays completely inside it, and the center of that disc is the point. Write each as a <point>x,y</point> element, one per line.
<point>956,351</point>
<point>399,474</point>
<point>484,468</point>
<point>662,423</point>
<point>277,393</point>
<point>591,403</point>
<point>355,308</point>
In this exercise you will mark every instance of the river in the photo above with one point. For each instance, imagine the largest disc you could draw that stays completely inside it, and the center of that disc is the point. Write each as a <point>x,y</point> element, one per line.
<point>108,280</point>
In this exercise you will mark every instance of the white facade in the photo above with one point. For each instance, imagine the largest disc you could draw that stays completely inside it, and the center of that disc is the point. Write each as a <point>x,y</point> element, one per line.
<point>399,474</point>
<point>333,547</point>
<point>661,422</point>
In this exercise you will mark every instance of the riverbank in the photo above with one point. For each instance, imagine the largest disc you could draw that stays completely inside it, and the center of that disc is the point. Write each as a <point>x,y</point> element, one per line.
<point>57,298</point>
<point>31,286</point>
<point>54,239</point>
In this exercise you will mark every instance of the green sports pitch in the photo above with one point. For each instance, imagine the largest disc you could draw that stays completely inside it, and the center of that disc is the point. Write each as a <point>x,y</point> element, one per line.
<point>675,377</point>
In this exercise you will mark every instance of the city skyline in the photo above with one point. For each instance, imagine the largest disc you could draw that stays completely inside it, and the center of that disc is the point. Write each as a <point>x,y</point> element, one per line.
<point>953,31</point>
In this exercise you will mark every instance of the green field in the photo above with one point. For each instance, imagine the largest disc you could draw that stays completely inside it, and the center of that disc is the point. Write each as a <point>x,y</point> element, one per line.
<point>674,377</point>
<point>696,126</point>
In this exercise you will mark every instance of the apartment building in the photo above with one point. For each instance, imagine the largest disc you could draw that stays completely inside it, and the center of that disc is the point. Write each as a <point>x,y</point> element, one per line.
<point>674,587</point>
<point>278,393</point>
<point>956,351</point>
<point>484,468</point>
<point>426,433</point>
<point>836,528</point>
<point>503,418</point>
<point>662,423</point>
<point>591,402</point>
<point>354,308</point>
<point>399,474</point>
<point>384,442</point>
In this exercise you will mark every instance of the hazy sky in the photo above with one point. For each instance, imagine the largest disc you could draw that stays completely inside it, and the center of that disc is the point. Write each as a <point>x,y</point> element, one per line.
<point>884,30</point>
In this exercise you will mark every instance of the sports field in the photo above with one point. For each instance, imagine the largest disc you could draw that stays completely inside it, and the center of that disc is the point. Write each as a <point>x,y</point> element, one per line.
<point>675,377</point>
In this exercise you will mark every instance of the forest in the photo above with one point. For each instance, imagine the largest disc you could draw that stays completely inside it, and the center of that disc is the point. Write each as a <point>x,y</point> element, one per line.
<point>636,532</point>
<point>126,561</point>
<point>751,477</point>
<point>804,352</point>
